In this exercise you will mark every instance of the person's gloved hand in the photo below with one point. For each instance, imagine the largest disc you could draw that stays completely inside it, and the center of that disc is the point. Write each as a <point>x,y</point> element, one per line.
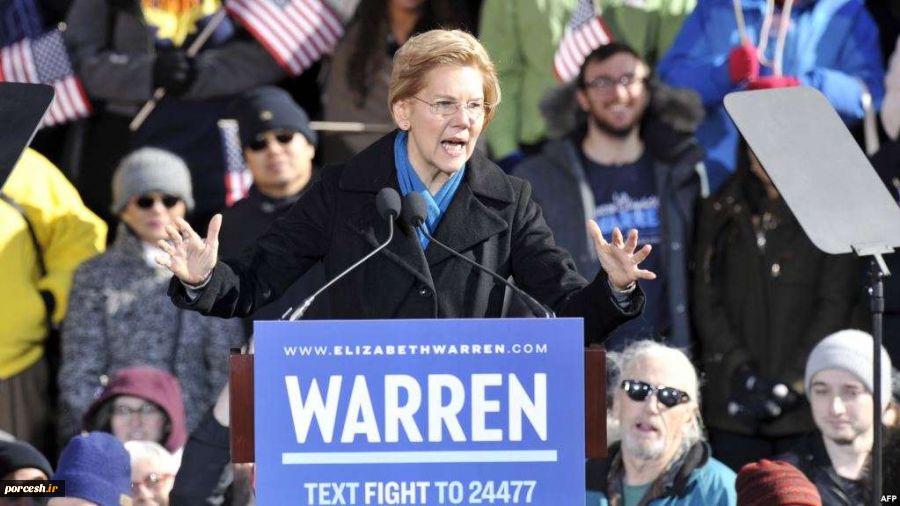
<point>757,399</point>
<point>781,394</point>
<point>173,71</point>
<point>743,64</point>
<point>743,381</point>
<point>769,82</point>
<point>508,162</point>
<point>753,408</point>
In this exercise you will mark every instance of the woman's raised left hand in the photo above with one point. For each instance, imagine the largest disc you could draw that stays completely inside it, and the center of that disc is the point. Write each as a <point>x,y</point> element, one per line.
<point>619,258</point>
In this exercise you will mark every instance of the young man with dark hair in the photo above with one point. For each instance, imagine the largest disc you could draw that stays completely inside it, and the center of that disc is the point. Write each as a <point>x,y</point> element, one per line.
<point>632,165</point>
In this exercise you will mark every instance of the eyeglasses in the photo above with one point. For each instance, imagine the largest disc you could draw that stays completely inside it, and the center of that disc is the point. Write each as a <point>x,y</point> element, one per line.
<point>261,142</point>
<point>669,397</point>
<point>152,480</point>
<point>607,83</point>
<point>148,201</point>
<point>475,109</point>
<point>146,409</point>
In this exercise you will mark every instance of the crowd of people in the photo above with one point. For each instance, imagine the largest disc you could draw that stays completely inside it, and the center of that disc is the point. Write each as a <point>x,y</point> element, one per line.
<point>740,355</point>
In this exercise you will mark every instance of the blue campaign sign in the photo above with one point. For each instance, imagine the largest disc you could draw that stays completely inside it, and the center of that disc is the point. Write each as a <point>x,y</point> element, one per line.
<point>424,412</point>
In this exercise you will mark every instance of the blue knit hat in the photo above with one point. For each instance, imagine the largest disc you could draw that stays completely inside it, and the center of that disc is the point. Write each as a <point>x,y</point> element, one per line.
<point>96,468</point>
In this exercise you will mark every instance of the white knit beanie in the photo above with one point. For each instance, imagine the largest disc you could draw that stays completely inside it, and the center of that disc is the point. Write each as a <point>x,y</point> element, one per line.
<point>851,351</point>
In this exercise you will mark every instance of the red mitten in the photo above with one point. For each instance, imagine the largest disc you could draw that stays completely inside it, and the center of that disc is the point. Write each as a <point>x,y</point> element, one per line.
<point>743,64</point>
<point>769,82</point>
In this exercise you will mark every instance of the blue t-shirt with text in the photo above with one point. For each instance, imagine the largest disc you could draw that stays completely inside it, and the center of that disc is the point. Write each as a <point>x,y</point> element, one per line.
<point>625,196</point>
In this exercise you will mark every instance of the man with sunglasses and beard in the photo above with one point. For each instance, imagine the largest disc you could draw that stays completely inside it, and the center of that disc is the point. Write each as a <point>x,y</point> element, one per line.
<point>278,145</point>
<point>630,161</point>
<point>662,457</point>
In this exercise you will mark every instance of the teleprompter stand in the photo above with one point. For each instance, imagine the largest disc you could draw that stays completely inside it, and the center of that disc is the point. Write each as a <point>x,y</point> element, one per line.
<point>831,188</point>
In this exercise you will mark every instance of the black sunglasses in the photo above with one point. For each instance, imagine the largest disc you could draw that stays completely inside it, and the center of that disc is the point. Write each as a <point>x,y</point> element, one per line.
<point>147,201</point>
<point>669,397</point>
<point>260,143</point>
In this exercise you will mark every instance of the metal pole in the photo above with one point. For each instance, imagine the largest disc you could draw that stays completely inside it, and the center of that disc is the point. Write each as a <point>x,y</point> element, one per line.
<point>878,270</point>
<point>351,126</point>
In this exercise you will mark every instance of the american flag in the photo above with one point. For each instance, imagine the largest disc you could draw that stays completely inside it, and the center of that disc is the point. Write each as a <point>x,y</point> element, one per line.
<point>237,175</point>
<point>585,32</point>
<point>44,60</point>
<point>296,32</point>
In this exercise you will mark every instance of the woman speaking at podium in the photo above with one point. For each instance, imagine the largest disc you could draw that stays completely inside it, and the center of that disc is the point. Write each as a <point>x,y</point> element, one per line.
<point>443,93</point>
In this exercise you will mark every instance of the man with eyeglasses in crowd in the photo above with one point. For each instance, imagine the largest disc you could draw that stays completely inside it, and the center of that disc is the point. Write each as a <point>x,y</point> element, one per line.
<point>140,404</point>
<point>279,146</point>
<point>662,457</point>
<point>153,471</point>
<point>632,165</point>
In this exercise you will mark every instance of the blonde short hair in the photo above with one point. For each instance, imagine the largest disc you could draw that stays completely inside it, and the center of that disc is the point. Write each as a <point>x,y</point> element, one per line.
<point>431,49</point>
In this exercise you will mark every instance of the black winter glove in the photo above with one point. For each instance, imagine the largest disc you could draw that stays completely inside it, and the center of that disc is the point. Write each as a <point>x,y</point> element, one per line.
<point>781,394</point>
<point>744,381</point>
<point>756,399</point>
<point>173,71</point>
<point>753,409</point>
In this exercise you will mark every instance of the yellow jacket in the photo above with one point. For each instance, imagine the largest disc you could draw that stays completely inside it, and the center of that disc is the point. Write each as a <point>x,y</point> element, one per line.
<point>68,232</point>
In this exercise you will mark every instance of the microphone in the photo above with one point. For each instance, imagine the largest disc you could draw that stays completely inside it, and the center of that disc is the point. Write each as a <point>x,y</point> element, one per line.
<point>414,213</point>
<point>387,202</point>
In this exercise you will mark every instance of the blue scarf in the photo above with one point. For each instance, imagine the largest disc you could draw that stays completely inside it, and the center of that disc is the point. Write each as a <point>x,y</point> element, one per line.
<point>410,182</point>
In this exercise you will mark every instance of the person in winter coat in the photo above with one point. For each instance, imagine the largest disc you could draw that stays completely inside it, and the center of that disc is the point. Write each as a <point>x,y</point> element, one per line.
<point>46,232</point>
<point>631,165</point>
<point>830,45</point>
<point>443,91</point>
<point>839,381</point>
<point>125,49</point>
<point>887,164</point>
<point>521,36</point>
<point>207,475</point>
<point>662,458</point>
<point>279,146</point>
<point>140,404</point>
<point>357,77</point>
<point>764,295</point>
<point>120,315</point>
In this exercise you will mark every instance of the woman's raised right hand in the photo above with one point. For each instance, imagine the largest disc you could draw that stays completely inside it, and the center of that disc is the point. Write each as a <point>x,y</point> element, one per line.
<point>190,257</point>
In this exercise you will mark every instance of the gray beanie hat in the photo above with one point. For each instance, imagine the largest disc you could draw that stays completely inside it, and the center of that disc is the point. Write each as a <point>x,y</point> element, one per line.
<point>851,351</point>
<point>147,170</point>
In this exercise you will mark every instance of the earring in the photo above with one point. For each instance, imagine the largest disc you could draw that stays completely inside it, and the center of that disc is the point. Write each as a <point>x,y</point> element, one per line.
<point>404,125</point>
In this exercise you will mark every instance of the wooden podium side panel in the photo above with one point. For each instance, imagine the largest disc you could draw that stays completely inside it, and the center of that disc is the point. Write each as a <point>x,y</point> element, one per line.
<point>595,403</point>
<point>241,406</point>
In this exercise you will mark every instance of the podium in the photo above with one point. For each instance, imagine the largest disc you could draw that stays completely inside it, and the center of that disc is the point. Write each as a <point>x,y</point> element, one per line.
<point>537,438</point>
